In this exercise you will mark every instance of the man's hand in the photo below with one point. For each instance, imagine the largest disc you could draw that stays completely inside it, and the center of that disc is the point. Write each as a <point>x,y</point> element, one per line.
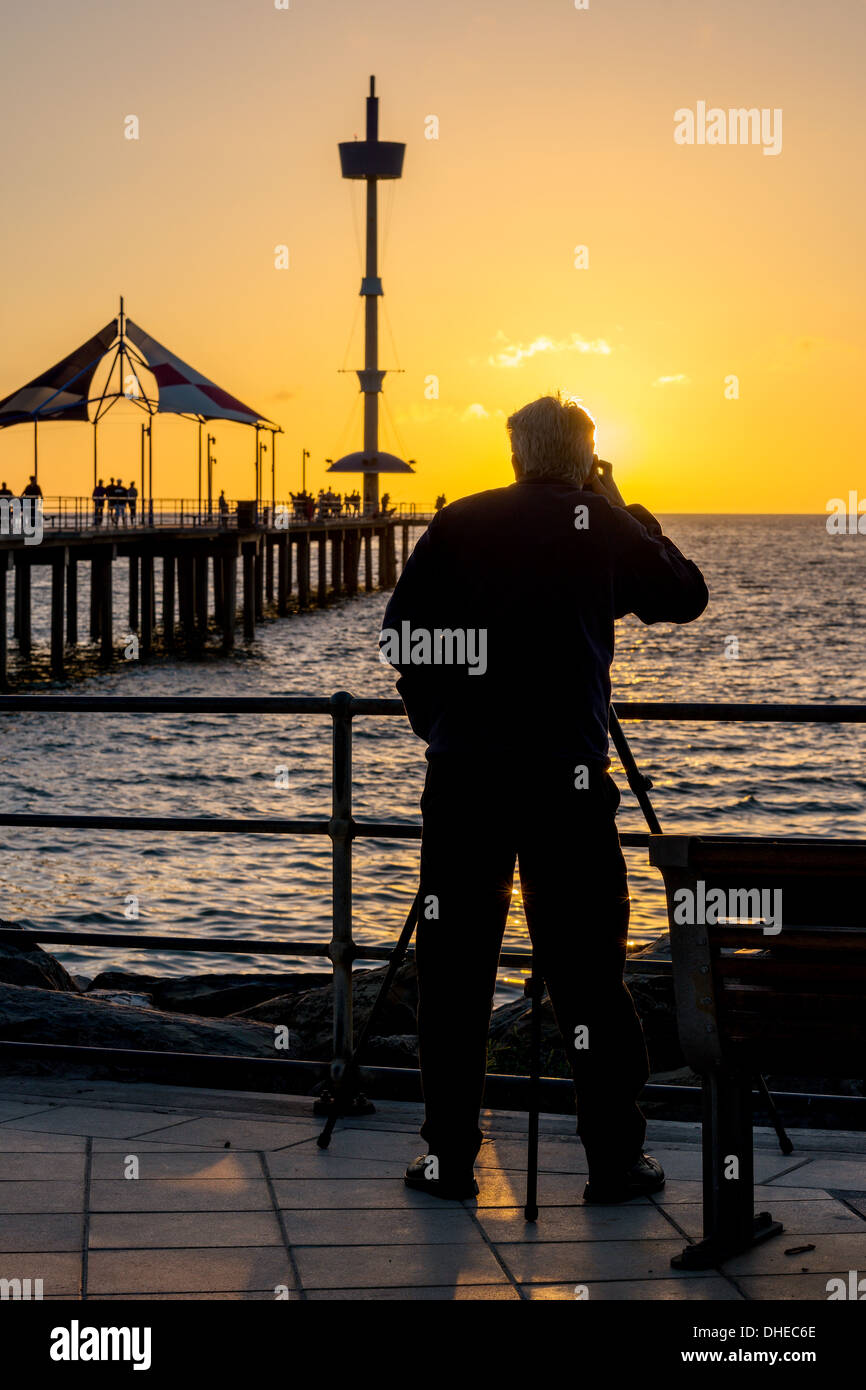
<point>600,480</point>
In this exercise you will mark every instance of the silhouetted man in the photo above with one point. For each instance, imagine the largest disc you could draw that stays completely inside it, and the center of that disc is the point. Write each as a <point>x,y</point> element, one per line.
<point>502,628</point>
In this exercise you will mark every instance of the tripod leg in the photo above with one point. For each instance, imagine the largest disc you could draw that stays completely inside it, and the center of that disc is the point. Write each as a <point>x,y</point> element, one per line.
<point>530,1210</point>
<point>398,955</point>
<point>775,1119</point>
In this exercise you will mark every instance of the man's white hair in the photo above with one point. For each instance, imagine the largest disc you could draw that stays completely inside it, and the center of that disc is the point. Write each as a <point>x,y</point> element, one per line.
<point>553,438</point>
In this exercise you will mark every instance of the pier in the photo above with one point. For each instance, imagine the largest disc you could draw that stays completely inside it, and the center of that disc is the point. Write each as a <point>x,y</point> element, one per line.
<point>223,573</point>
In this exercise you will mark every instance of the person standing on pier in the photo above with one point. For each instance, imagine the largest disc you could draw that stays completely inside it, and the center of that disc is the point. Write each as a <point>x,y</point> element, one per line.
<point>132,501</point>
<point>502,629</point>
<point>119,504</point>
<point>98,503</point>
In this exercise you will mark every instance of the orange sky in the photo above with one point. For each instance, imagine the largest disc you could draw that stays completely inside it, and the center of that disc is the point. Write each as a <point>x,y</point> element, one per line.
<point>555,130</point>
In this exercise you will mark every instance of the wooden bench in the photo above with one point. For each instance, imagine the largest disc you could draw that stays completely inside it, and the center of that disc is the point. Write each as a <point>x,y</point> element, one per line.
<point>754,995</point>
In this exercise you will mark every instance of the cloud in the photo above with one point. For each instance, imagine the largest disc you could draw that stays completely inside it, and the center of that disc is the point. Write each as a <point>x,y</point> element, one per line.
<point>475,412</point>
<point>678,380</point>
<point>514,353</point>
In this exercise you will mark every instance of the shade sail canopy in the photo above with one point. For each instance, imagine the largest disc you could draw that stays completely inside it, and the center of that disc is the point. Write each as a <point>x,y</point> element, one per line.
<point>379,462</point>
<point>183,390</point>
<point>63,391</point>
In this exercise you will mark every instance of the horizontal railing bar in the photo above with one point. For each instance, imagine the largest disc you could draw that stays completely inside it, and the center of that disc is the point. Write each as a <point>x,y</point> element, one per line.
<point>742,713</point>
<point>214,825</point>
<point>197,825</point>
<point>174,704</point>
<point>303,704</point>
<point>155,941</point>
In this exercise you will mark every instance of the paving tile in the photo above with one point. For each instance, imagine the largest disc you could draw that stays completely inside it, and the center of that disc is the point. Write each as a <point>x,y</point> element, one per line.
<point>675,1191</point>
<point>55,1231</point>
<point>235,1296</point>
<point>307,1161</point>
<point>163,1230</point>
<point>182,1194</point>
<point>378,1144</point>
<point>83,1119</point>
<point>826,1217</point>
<point>835,1254</point>
<point>710,1290</point>
<point>454,1293</point>
<point>60,1273</point>
<point>38,1197</point>
<point>40,1167</point>
<point>19,1141</point>
<point>562,1156</point>
<point>187,1271</point>
<point>508,1189</point>
<point>312,1195</point>
<point>582,1262</point>
<point>824,1172</point>
<point>399,1266</point>
<point>631,1221</point>
<point>242,1132</point>
<point>213,1164</point>
<point>423,1227</point>
<point>806,1288</point>
<point>13,1109</point>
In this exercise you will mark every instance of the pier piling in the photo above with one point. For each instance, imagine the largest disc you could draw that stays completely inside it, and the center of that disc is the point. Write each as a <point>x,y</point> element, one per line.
<point>59,561</point>
<point>168,600</point>
<point>229,598</point>
<point>4,654</point>
<point>304,570</point>
<point>147,604</point>
<point>133,593</point>
<point>105,606</point>
<point>249,559</point>
<point>22,604</point>
<point>72,601</point>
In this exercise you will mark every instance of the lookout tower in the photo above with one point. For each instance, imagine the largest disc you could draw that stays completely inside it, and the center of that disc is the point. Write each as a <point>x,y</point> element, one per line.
<point>371,159</point>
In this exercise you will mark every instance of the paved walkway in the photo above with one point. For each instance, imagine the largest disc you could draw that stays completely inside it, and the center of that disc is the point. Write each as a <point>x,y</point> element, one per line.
<point>118,1192</point>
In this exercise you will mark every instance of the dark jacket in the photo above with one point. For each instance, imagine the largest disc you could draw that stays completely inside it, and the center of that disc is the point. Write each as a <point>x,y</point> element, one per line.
<point>544,580</point>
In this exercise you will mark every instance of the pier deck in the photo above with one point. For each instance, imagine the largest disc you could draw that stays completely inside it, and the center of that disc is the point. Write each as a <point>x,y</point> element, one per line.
<point>234,1199</point>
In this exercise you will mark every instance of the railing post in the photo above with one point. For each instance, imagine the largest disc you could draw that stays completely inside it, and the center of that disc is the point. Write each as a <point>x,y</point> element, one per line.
<point>342,1094</point>
<point>340,831</point>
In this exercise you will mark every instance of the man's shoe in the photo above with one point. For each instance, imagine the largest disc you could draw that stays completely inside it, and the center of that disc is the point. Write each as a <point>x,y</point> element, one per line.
<point>423,1175</point>
<point>645,1176</point>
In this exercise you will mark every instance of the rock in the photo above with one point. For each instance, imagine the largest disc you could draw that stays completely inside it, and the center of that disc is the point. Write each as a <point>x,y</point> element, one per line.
<point>122,996</point>
<point>398,1051</point>
<point>29,965</point>
<point>310,1012</point>
<point>82,982</point>
<point>33,1015</point>
<point>210,996</point>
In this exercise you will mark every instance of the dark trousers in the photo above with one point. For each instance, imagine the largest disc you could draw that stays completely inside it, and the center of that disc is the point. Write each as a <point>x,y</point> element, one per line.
<point>478,819</point>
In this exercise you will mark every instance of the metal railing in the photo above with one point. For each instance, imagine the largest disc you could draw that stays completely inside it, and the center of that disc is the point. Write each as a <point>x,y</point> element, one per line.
<point>81,514</point>
<point>343,829</point>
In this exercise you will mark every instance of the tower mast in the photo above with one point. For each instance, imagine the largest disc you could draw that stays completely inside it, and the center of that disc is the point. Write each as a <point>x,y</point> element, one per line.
<point>371,159</point>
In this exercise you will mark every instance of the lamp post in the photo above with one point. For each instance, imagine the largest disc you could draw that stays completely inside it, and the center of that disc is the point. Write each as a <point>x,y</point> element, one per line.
<point>148,430</point>
<point>262,449</point>
<point>305,454</point>
<point>211,439</point>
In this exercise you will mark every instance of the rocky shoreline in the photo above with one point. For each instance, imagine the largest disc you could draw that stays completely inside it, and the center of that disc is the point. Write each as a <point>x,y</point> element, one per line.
<point>239,1013</point>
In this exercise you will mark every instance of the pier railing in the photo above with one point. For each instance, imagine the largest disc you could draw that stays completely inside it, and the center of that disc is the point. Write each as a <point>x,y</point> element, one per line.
<point>343,829</point>
<point>81,514</point>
